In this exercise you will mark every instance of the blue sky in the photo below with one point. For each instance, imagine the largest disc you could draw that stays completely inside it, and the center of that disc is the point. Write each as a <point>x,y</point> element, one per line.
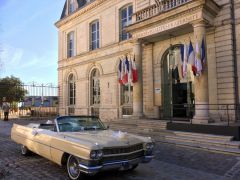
<point>28,39</point>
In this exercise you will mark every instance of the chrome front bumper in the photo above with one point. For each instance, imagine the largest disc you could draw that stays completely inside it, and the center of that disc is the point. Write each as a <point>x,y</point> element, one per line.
<point>122,165</point>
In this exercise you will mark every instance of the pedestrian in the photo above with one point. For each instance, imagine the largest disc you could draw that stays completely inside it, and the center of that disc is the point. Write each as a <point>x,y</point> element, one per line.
<point>5,108</point>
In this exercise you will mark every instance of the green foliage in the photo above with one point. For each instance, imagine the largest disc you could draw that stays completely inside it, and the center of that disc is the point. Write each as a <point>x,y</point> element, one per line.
<point>12,89</point>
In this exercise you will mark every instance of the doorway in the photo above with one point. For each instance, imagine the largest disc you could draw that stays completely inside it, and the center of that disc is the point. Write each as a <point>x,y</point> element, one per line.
<point>177,95</point>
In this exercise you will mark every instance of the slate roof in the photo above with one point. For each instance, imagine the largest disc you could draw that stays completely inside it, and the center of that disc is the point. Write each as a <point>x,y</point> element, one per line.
<point>81,4</point>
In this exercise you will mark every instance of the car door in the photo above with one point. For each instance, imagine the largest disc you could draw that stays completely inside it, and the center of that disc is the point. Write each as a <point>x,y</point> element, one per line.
<point>42,141</point>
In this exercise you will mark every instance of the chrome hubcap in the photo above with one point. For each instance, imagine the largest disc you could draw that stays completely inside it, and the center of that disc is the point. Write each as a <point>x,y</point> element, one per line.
<point>73,167</point>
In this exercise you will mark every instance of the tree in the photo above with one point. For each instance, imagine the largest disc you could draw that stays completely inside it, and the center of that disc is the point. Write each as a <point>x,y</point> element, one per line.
<point>12,89</point>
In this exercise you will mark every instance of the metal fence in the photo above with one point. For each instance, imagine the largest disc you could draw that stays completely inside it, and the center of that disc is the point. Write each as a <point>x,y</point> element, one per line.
<point>37,100</point>
<point>218,113</point>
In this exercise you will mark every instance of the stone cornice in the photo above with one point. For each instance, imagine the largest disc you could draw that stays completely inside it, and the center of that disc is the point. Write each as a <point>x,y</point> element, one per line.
<point>78,13</point>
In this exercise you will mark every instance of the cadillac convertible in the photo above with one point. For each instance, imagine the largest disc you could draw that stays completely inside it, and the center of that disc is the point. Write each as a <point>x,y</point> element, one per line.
<point>83,144</point>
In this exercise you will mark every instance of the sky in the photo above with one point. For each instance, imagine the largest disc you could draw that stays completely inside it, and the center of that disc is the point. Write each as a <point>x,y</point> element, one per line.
<point>29,39</point>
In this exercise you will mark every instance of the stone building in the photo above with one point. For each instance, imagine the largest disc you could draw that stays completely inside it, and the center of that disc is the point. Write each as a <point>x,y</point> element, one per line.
<point>95,34</point>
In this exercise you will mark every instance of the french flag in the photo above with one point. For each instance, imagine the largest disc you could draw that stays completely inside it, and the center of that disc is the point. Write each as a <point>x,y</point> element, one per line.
<point>185,60</point>
<point>134,72</point>
<point>191,58</point>
<point>198,62</point>
<point>203,52</point>
<point>120,72</point>
<point>130,71</point>
<point>125,76</point>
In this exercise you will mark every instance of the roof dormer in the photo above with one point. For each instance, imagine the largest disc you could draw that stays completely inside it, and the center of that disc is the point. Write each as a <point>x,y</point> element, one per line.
<point>72,6</point>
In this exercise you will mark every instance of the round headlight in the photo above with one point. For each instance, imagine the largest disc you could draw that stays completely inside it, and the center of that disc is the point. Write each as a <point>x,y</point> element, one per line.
<point>96,154</point>
<point>93,154</point>
<point>149,146</point>
<point>99,153</point>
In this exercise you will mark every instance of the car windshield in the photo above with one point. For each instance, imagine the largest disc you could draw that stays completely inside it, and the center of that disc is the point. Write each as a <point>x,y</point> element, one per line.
<point>78,123</point>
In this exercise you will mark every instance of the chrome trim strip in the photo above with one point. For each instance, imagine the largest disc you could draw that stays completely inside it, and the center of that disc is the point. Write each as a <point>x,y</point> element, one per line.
<point>90,168</point>
<point>123,154</point>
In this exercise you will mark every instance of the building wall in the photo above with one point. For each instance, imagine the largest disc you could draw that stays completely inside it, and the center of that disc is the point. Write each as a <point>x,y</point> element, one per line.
<point>219,53</point>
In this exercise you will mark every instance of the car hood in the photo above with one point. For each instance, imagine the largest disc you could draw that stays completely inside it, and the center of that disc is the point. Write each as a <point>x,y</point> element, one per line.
<point>105,138</point>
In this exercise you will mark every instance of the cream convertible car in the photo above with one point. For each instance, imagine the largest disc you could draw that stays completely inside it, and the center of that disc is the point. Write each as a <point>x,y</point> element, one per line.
<point>83,144</point>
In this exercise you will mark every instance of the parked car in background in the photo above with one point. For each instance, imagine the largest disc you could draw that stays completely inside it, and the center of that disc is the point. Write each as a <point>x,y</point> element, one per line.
<point>84,145</point>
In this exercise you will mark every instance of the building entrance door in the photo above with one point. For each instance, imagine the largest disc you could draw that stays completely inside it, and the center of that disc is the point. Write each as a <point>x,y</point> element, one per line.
<point>177,95</point>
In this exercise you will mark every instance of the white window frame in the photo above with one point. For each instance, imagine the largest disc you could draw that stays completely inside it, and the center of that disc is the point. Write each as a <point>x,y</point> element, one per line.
<point>123,35</point>
<point>71,87</point>
<point>94,43</point>
<point>70,45</point>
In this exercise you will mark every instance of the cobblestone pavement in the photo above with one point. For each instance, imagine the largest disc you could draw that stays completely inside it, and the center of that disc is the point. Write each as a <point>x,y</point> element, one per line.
<point>171,162</point>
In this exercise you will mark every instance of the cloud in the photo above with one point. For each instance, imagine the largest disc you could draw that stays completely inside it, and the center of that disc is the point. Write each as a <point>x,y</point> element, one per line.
<point>11,55</point>
<point>29,66</point>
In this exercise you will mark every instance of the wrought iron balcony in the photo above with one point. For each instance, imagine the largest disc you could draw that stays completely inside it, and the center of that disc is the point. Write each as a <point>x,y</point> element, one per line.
<point>161,6</point>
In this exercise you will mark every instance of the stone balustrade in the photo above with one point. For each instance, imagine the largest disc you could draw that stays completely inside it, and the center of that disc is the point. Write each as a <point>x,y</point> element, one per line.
<point>161,6</point>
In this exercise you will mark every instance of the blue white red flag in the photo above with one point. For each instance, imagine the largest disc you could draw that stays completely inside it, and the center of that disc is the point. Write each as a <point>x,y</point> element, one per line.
<point>120,72</point>
<point>125,76</point>
<point>198,62</point>
<point>191,58</point>
<point>134,71</point>
<point>130,71</point>
<point>203,52</point>
<point>185,60</point>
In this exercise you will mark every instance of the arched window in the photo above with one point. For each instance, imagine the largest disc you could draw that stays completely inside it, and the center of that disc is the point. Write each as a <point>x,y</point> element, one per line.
<point>70,45</point>
<point>94,35</point>
<point>95,87</point>
<point>71,90</point>
<point>125,20</point>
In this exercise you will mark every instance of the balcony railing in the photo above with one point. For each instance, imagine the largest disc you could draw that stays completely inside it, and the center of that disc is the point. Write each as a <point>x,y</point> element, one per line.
<point>161,6</point>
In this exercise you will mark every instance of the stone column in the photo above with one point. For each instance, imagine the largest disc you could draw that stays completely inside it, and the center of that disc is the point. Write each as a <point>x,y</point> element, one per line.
<point>150,110</point>
<point>201,82</point>
<point>138,86</point>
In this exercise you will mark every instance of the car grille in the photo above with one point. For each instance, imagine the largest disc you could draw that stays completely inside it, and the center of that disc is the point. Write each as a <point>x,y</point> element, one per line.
<point>122,153</point>
<point>121,150</point>
<point>123,157</point>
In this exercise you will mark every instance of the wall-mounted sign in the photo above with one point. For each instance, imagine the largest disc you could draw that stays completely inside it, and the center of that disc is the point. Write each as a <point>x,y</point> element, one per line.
<point>169,25</point>
<point>157,90</point>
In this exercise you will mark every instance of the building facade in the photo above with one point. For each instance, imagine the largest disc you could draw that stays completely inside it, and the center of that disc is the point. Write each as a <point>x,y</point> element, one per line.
<point>95,34</point>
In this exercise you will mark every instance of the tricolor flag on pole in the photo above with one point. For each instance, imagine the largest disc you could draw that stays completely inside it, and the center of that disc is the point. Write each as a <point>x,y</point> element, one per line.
<point>120,72</point>
<point>191,58</point>
<point>130,71</point>
<point>203,52</point>
<point>134,71</point>
<point>123,70</point>
<point>198,62</point>
<point>125,76</point>
<point>185,60</point>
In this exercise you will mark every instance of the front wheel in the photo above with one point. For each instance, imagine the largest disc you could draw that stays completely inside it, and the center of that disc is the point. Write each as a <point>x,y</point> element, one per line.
<point>25,151</point>
<point>73,169</point>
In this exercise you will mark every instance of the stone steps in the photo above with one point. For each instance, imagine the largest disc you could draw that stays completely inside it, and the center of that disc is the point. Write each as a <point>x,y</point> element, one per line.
<point>203,136</point>
<point>215,143</point>
<point>197,140</point>
<point>207,147</point>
